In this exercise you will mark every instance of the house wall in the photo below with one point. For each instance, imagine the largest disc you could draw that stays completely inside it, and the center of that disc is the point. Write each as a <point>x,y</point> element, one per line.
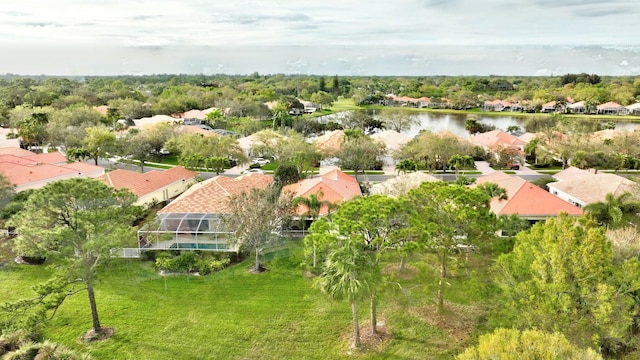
<point>40,183</point>
<point>167,192</point>
<point>566,197</point>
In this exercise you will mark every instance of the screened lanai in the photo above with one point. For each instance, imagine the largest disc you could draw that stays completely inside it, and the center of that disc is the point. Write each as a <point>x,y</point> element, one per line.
<point>186,231</point>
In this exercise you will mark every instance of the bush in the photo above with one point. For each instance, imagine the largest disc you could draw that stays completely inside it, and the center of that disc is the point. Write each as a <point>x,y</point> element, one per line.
<point>192,261</point>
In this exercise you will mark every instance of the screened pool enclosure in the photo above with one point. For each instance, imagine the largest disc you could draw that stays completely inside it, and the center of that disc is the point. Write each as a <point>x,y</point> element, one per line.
<point>190,231</point>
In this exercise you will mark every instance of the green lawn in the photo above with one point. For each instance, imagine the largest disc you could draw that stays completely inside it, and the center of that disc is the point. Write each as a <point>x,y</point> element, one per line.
<point>275,315</point>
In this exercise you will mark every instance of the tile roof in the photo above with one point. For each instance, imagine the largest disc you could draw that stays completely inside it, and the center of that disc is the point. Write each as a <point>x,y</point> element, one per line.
<point>48,158</point>
<point>27,174</point>
<point>525,199</point>
<point>212,195</point>
<point>589,187</point>
<point>335,185</point>
<point>142,184</point>
<point>15,151</point>
<point>194,129</point>
<point>496,137</point>
<point>609,105</point>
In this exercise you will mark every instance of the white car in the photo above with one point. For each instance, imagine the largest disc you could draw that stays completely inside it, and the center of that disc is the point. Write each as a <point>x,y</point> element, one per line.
<point>260,161</point>
<point>252,171</point>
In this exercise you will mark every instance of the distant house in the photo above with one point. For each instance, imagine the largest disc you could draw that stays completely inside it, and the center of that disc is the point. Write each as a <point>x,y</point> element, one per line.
<point>421,102</point>
<point>552,106</point>
<point>611,108</point>
<point>496,105</point>
<point>494,139</point>
<point>27,170</point>
<point>577,108</point>
<point>525,199</point>
<point>583,187</point>
<point>335,187</point>
<point>193,221</point>
<point>152,186</point>
<point>634,109</point>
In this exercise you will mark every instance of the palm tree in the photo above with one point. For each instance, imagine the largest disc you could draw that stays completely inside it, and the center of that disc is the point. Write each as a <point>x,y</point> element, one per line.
<point>349,272</point>
<point>313,205</point>
<point>406,165</point>
<point>494,191</point>
<point>458,162</point>
<point>612,209</point>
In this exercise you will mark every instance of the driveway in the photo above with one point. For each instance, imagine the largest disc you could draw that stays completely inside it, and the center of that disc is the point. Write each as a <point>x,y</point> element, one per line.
<point>484,167</point>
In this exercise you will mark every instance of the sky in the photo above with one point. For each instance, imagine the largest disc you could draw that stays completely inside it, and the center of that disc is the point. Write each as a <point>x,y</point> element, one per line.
<point>344,37</point>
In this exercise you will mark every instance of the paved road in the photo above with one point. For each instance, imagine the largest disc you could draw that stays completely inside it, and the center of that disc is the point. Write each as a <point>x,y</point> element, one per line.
<point>390,172</point>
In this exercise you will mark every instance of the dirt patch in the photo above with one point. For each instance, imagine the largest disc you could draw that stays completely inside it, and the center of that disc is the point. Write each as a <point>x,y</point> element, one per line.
<point>104,334</point>
<point>253,269</point>
<point>369,341</point>
<point>458,321</point>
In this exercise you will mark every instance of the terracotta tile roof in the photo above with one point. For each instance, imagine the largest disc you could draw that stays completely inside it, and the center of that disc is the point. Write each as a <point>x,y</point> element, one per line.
<point>48,158</point>
<point>335,185</point>
<point>34,171</point>
<point>142,184</point>
<point>212,195</point>
<point>609,105</point>
<point>15,151</point>
<point>496,137</point>
<point>532,201</point>
<point>525,199</point>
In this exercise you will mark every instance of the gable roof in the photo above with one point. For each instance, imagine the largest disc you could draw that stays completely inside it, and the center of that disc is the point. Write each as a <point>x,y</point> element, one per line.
<point>142,184</point>
<point>525,199</point>
<point>589,187</point>
<point>329,142</point>
<point>212,195</point>
<point>496,137</point>
<point>336,187</point>
<point>609,105</point>
<point>12,150</point>
<point>47,158</point>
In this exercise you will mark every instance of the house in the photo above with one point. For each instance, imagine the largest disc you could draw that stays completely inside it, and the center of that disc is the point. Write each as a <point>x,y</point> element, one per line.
<point>152,186</point>
<point>611,108</point>
<point>634,109</point>
<point>583,187</point>
<point>496,105</point>
<point>329,142</point>
<point>193,221</point>
<point>495,139</point>
<point>334,186</point>
<point>552,106</point>
<point>577,108</point>
<point>27,170</point>
<point>525,199</point>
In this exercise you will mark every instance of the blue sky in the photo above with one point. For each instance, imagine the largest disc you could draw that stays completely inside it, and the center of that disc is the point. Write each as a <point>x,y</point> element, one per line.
<point>348,37</point>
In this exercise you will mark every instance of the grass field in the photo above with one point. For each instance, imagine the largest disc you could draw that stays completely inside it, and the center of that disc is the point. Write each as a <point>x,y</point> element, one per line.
<point>278,314</point>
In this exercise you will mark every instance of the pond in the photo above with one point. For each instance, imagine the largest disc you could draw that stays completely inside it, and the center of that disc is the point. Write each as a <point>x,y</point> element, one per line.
<point>454,123</point>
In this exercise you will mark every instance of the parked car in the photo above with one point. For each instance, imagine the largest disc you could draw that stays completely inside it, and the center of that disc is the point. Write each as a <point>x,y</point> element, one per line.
<point>252,171</point>
<point>260,161</point>
<point>513,165</point>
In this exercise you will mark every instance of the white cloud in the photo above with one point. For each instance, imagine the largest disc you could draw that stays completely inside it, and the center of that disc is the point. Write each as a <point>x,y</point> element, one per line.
<point>375,23</point>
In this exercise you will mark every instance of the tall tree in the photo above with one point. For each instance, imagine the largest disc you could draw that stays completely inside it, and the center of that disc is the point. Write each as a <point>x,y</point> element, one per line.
<point>257,217</point>
<point>76,223</point>
<point>445,216</point>
<point>379,222</point>
<point>359,154</point>
<point>349,272</point>
<point>613,209</point>
<point>398,119</point>
<point>560,276</point>
<point>99,142</point>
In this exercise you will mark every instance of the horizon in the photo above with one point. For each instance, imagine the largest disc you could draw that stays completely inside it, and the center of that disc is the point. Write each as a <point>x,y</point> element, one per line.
<point>355,38</point>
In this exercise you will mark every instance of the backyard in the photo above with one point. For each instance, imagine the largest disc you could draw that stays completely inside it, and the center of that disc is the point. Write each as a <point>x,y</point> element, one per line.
<point>279,314</point>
